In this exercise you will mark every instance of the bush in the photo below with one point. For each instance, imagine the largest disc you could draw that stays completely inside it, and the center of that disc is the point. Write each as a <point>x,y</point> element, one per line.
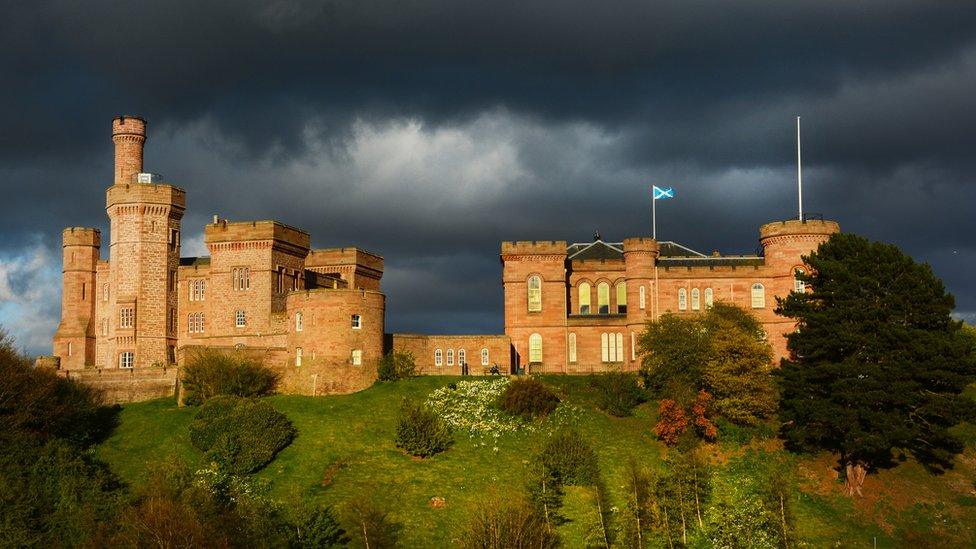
<point>211,373</point>
<point>618,392</point>
<point>504,524</point>
<point>528,398</point>
<point>570,459</point>
<point>420,431</point>
<point>317,526</point>
<point>240,435</point>
<point>672,422</point>
<point>396,365</point>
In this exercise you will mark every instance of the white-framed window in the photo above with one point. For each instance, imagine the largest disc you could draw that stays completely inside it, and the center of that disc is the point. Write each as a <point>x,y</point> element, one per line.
<point>438,357</point>
<point>709,298</point>
<point>622,298</point>
<point>70,348</point>
<point>603,298</point>
<point>357,322</point>
<point>104,326</point>
<point>198,289</point>
<point>584,298</point>
<point>195,323</point>
<point>357,357</point>
<point>633,346</point>
<point>242,278</point>
<point>299,322</point>
<point>695,299</point>
<point>758,296</point>
<point>484,356</point>
<point>127,359</point>
<point>612,347</point>
<point>535,348</point>
<point>642,297</point>
<point>105,292</point>
<point>298,356</point>
<point>240,318</point>
<point>798,285</point>
<point>450,357</point>
<point>682,299</point>
<point>535,293</point>
<point>572,347</point>
<point>127,317</point>
<point>462,356</point>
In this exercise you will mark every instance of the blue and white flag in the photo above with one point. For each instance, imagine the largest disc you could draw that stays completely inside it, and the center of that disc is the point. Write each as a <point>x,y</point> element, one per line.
<point>662,194</point>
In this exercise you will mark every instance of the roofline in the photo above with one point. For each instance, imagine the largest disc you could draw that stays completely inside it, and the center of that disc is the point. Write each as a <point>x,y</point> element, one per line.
<point>612,245</point>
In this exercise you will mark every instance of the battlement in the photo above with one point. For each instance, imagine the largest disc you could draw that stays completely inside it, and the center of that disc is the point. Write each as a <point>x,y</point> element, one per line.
<point>81,236</point>
<point>140,193</point>
<point>534,247</point>
<point>330,257</point>
<point>641,244</point>
<point>129,136</point>
<point>128,125</point>
<point>791,227</point>
<point>244,231</point>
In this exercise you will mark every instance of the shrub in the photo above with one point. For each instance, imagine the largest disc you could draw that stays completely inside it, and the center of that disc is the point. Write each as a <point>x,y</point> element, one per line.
<point>211,373</point>
<point>570,459</point>
<point>396,365</point>
<point>372,524</point>
<point>528,398</point>
<point>317,526</point>
<point>618,392</point>
<point>420,431</point>
<point>240,435</point>
<point>504,524</point>
<point>701,410</point>
<point>672,422</point>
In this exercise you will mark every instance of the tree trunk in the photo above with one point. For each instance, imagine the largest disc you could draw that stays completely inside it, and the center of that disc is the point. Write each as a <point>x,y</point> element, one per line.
<point>854,481</point>
<point>782,515</point>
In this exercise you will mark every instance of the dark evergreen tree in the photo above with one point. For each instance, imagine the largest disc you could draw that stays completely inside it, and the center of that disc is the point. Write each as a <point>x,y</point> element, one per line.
<point>878,365</point>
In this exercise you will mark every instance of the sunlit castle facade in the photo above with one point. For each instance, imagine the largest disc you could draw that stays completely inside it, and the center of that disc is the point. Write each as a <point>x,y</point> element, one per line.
<point>580,307</point>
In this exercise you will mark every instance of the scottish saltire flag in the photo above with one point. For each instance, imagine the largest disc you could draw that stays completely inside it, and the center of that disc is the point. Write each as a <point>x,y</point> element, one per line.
<point>662,194</point>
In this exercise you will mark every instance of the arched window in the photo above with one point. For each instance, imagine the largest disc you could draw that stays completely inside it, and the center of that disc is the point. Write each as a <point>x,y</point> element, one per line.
<point>462,356</point>
<point>695,299</point>
<point>535,348</point>
<point>620,347</point>
<point>622,298</point>
<point>798,285</point>
<point>758,296</point>
<point>572,347</point>
<point>535,294</point>
<point>438,357</point>
<point>584,298</point>
<point>603,298</point>
<point>709,298</point>
<point>612,347</point>
<point>484,356</point>
<point>450,357</point>
<point>682,299</point>
<point>643,298</point>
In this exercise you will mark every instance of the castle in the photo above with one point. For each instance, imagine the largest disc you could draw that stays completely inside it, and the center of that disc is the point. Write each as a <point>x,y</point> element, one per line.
<point>317,315</point>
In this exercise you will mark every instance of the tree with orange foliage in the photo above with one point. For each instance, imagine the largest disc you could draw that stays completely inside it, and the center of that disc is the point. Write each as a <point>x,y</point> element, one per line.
<point>672,422</point>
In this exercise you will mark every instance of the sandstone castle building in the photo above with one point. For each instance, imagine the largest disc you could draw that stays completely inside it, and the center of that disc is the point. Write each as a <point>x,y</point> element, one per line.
<point>317,315</point>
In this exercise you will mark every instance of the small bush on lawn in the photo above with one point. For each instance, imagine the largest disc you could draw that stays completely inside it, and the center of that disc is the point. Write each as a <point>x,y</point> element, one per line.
<point>618,392</point>
<point>396,365</point>
<point>569,457</point>
<point>528,398</point>
<point>211,373</point>
<point>420,431</point>
<point>240,435</point>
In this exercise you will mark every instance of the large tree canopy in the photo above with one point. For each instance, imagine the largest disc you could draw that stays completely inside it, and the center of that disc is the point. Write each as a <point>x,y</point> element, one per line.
<point>878,365</point>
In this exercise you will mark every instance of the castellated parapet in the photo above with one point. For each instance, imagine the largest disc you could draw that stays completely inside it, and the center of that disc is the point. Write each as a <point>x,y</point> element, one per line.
<point>129,135</point>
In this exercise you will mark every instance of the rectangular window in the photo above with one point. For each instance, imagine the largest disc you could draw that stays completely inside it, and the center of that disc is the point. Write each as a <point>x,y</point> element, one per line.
<point>127,317</point>
<point>280,280</point>
<point>172,320</point>
<point>535,294</point>
<point>104,326</point>
<point>127,359</point>
<point>174,239</point>
<point>643,298</point>
<point>172,281</point>
<point>240,319</point>
<point>484,357</point>
<point>357,357</point>
<point>104,292</point>
<point>357,322</point>
<point>242,278</point>
<point>298,356</point>
<point>299,322</point>
<point>84,288</point>
<point>572,347</point>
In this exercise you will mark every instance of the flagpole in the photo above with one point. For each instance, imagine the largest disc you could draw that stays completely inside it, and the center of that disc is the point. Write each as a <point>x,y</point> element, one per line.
<point>653,217</point>
<point>799,168</point>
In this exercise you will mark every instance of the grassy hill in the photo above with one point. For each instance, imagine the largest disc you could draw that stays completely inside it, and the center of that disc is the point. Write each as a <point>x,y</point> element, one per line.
<point>344,449</point>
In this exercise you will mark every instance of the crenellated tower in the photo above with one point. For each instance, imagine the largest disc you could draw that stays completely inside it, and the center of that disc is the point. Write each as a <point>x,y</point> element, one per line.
<point>74,341</point>
<point>144,255</point>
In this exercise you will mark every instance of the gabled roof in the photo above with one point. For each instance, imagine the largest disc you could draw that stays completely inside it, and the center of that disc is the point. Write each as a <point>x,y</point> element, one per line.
<point>597,249</point>
<point>194,261</point>
<point>673,249</point>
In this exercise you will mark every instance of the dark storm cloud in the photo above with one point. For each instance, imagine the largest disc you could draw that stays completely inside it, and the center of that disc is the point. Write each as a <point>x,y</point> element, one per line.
<point>429,131</point>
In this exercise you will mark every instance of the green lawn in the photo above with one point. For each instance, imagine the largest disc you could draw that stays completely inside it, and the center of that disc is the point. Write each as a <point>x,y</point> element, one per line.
<point>345,450</point>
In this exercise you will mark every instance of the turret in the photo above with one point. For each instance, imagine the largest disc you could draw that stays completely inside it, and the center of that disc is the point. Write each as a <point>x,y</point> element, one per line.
<point>784,242</point>
<point>74,341</point>
<point>129,135</point>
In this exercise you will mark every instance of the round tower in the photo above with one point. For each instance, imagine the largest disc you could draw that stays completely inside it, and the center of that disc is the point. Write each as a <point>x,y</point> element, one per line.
<point>74,341</point>
<point>129,135</point>
<point>784,242</point>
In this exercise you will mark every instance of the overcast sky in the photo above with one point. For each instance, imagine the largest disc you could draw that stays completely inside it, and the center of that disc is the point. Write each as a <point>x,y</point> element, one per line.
<point>428,131</point>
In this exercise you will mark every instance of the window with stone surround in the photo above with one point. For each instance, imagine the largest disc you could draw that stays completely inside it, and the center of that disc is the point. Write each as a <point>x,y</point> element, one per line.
<point>198,289</point>
<point>603,298</point>
<point>172,281</point>
<point>484,356</point>
<point>611,347</point>
<point>584,298</point>
<point>70,348</point>
<point>535,348</point>
<point>450,357</point>
<point>643,298</point>
<point>438,357</point>
<point>682,299</point>
<point>195,322</point>
<point>240,319</point>
<point>280,280</point>
<point>127,317</point>
<point>298,356</point>
<point>798,285</point>
<point>622,298</point>
<point>104,326</point>
<point>572,347</point>
<point>709,298</point>
<point>242,278</point>
<point>535,294</point>
<point>105,292</point>
<point>127,359</point>
<point>758,296</point>
<point>299,322</point>
<point>357,322</point>
<point>695,299</point>
<point>172,320</point>
<point>462,356</point>
<point>357,357</point>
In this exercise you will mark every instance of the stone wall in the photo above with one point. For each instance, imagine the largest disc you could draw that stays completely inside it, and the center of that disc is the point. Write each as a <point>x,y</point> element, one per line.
<point>120,386</point>
<point>424,349</point>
